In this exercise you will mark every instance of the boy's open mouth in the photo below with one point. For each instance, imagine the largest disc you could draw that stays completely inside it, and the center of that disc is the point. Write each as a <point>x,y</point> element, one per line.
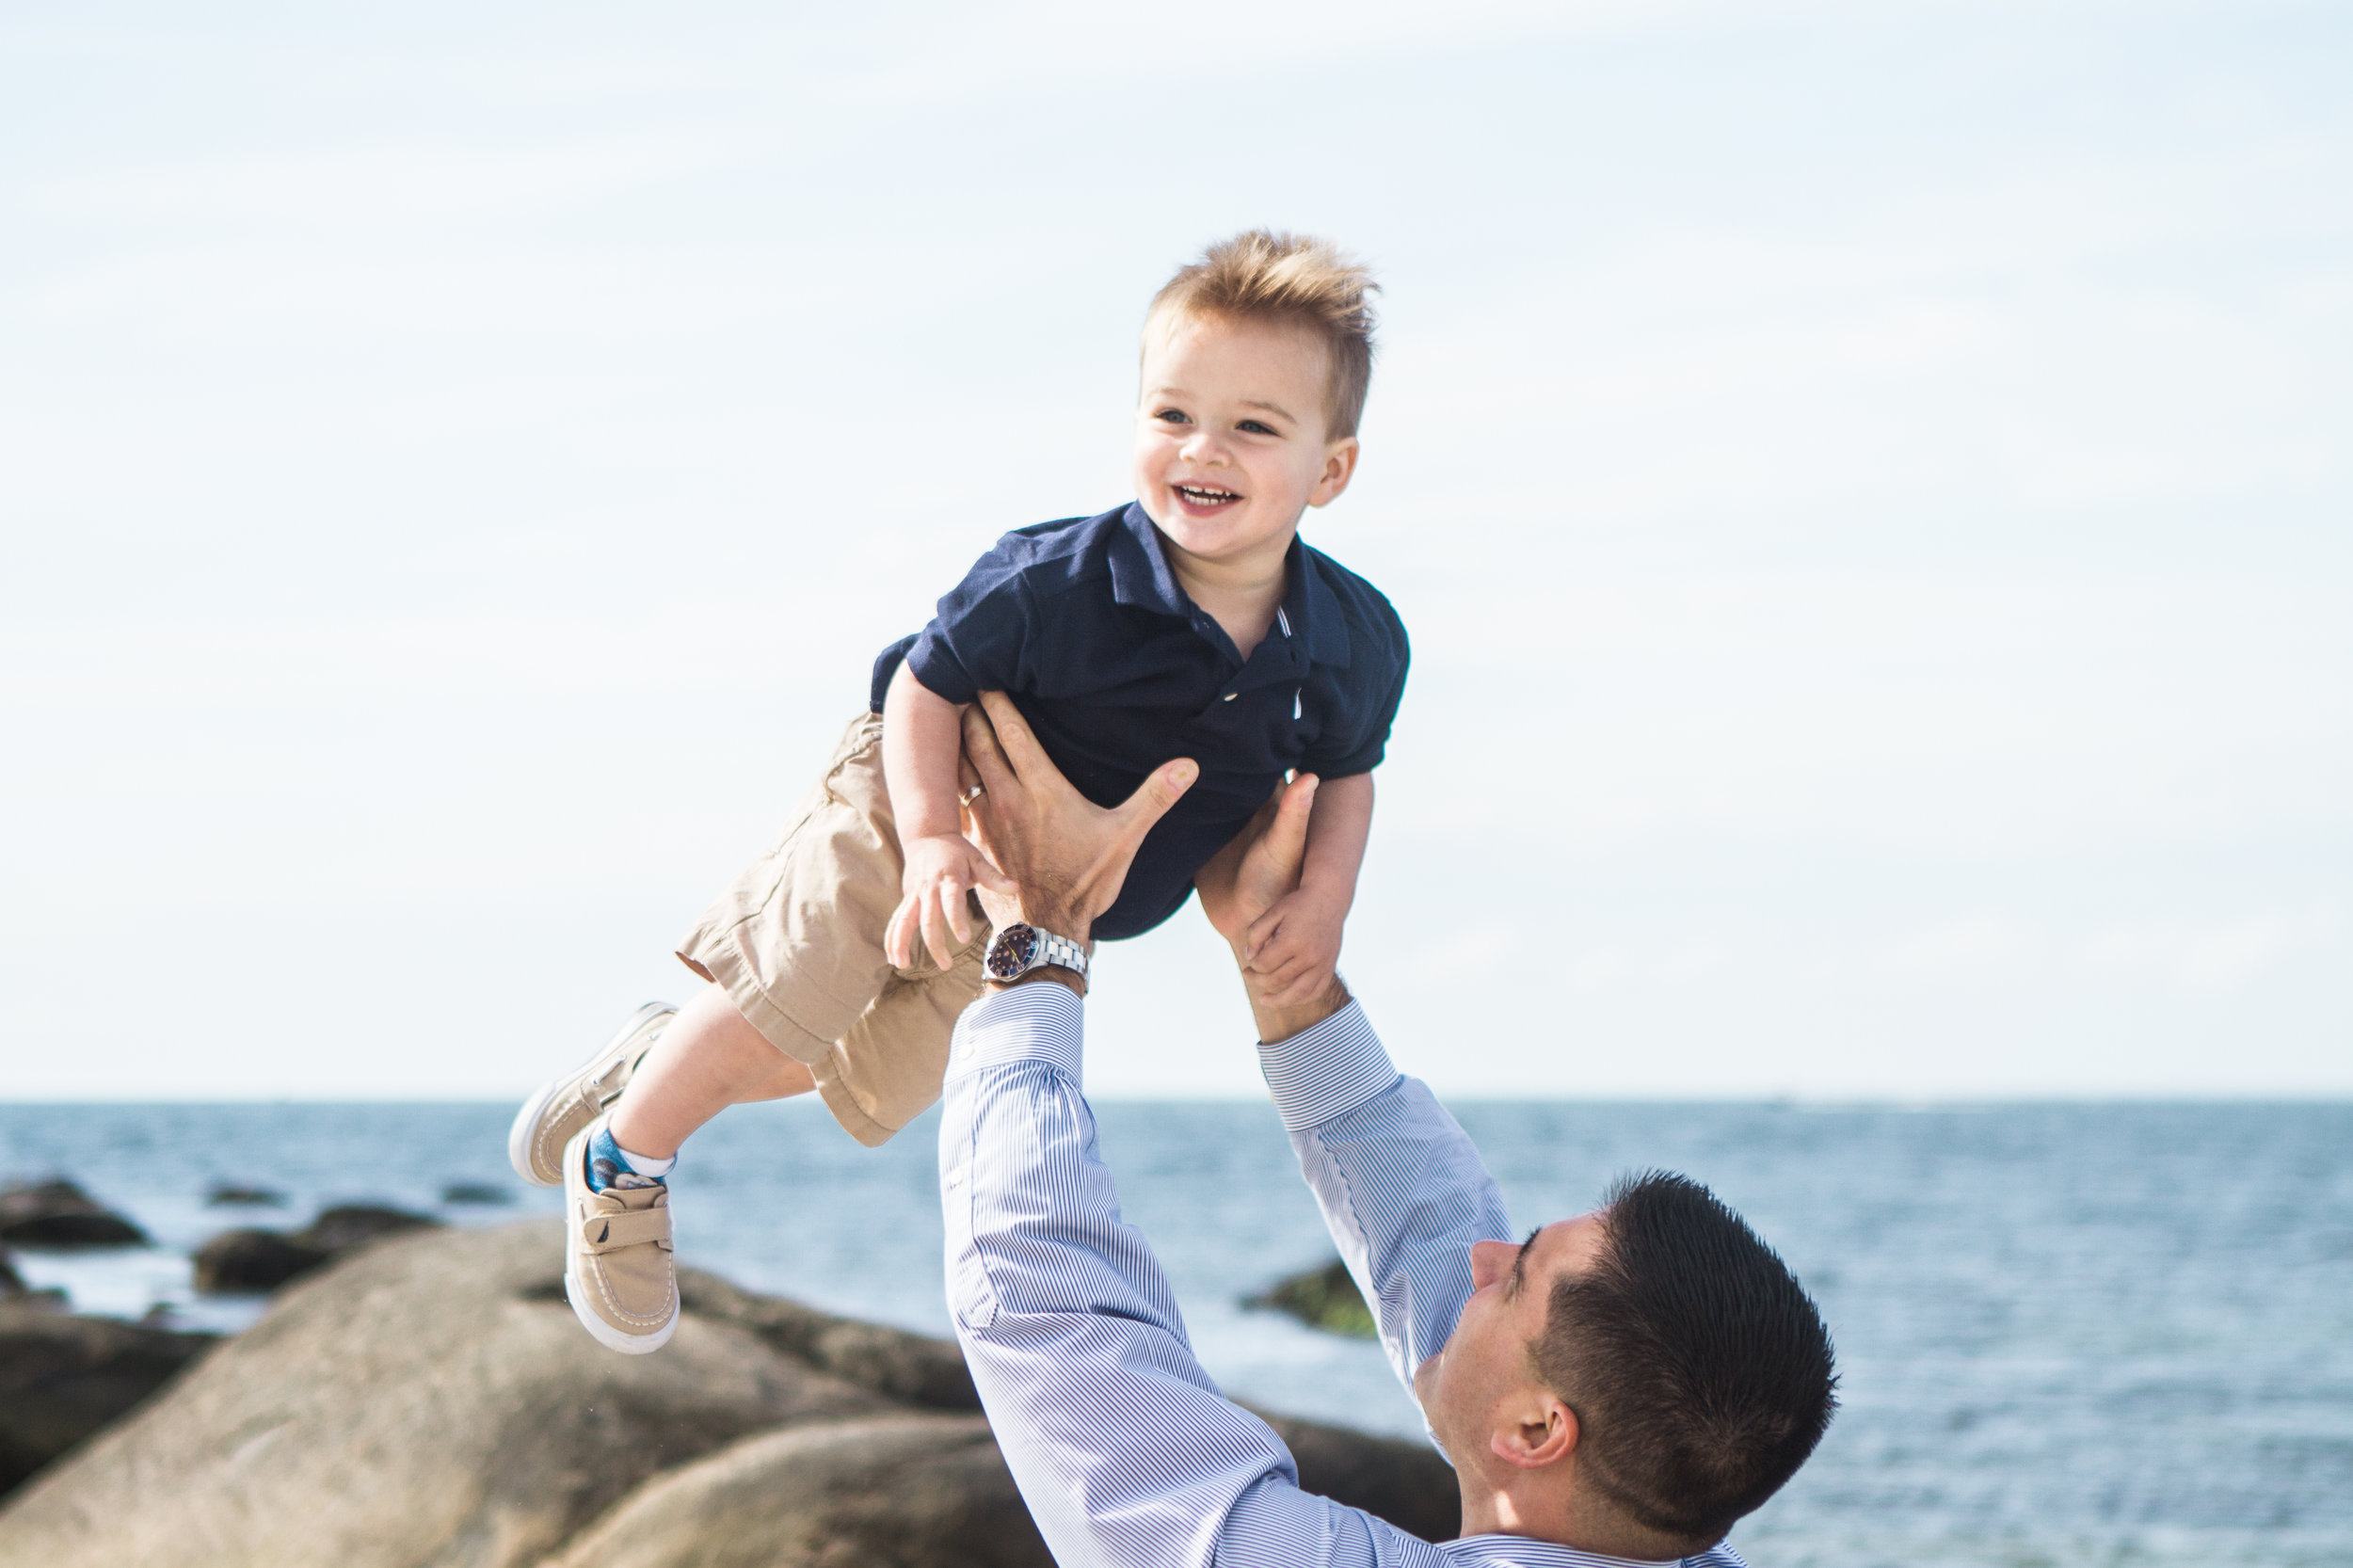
<point>1206,495</point>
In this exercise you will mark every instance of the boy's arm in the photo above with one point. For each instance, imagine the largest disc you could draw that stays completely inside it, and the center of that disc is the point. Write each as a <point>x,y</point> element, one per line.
<point>1290,952</point>
<point>923,737</point>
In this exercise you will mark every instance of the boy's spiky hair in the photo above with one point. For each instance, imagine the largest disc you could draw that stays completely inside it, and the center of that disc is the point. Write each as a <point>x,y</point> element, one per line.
<point>1264,275</point>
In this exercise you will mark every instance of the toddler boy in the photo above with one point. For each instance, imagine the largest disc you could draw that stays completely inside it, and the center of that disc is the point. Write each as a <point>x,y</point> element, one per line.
<point>1191,622</point>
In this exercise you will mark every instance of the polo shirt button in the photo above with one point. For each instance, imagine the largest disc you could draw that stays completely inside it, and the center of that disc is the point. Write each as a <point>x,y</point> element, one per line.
<point>1230,696</point>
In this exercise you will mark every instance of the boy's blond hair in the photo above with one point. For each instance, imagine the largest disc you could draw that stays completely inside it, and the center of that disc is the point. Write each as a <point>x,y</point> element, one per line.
<point>1261,274</point>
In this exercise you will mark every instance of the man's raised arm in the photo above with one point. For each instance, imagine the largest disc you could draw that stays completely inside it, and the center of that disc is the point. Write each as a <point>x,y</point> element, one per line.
<point>1122,1446</point>
<point>1402,1189</point>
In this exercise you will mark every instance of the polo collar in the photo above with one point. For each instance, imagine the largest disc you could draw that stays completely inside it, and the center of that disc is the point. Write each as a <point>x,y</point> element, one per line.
<point>1140,571</point>
<point>1141,576</point>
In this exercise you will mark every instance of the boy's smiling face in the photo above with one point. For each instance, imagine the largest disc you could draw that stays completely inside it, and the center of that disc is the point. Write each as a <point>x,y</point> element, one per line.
<point>1232,438</point>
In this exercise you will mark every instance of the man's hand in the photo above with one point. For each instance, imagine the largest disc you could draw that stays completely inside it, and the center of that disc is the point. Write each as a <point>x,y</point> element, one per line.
<point>940,869</point>
<point>1246,883</point>
<point>1066,857</point>
<point>1291,952</point>
<point>1248,877</point>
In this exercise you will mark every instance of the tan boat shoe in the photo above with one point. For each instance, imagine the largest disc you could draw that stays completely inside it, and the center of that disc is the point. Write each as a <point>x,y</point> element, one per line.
<point>562,1106</point>
<point>617,1272</point>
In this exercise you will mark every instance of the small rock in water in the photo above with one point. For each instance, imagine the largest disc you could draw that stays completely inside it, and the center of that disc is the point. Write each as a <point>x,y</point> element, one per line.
<point>252,1262</point>
<point>228,1194</point>
<point>475,1192</point>
<point>348,1224</point>
<point>11,1283</point>
<point>1321,1298</point>
<point>60,1214</point>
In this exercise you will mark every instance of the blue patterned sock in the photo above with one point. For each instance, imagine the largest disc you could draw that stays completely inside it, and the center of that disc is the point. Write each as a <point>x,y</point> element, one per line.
<point>610,1166</point>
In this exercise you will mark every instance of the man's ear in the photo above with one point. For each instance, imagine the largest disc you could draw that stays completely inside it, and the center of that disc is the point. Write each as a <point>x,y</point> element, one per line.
<point>1339,465</point>
<point>1546,1433</point>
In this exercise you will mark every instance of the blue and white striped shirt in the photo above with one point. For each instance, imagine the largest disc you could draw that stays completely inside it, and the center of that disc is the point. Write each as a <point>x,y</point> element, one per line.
<point>1123,1448</point>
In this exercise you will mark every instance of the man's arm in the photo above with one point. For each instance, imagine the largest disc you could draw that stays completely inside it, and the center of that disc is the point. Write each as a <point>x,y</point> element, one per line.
<point>1123,1448</point>
<point>1402,1189</point>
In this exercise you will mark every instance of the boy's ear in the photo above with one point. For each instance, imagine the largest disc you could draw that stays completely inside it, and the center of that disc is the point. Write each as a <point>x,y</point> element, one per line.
<point>1340,467</point>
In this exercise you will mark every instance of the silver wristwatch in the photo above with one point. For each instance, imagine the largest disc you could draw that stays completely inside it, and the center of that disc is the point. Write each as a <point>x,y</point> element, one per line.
<point>1021,946</point>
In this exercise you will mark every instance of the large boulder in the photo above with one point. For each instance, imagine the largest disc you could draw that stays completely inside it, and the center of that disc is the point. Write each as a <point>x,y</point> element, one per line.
<point>904,1491</point>
<point>62,1378</point>
<point>60,1214</point>
<point>429,1401</point>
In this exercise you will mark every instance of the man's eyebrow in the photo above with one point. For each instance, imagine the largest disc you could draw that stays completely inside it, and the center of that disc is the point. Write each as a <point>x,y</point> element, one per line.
<point>1519,1262</point>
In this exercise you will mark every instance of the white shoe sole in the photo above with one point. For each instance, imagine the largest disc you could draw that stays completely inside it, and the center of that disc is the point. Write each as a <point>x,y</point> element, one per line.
<point>527,1119</point>
<point>610,1337</point>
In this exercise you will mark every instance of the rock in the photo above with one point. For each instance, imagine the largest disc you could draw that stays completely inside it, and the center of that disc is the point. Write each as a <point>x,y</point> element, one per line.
<point>1406,1484</point>
<point>475,1192</point>
<point>431,1400</point>
<point>62,1378</point>
<point>60,1214</point>
<point>228,1194</point>
<point>427,1401</point>
<point>1321,1298</point>
<point>349,1226</point>
<point>914,1367</point>
<point>914,1490</point>
<point>251,1262</point>
<point>11,1283</point>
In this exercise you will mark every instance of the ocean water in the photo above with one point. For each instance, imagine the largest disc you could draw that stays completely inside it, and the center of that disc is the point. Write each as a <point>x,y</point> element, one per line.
<point>2098,1335</point>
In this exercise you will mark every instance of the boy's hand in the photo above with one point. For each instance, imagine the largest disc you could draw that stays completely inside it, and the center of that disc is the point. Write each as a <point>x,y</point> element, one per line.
<point>940,871</point>
<point>1289,952</point>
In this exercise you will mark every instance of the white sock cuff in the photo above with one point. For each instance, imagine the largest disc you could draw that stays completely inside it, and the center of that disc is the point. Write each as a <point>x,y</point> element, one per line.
<point>646,1165</point>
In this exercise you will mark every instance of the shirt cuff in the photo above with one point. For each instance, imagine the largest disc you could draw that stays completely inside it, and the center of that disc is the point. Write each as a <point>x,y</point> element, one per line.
<point>1326,1071</point>
<point>1043,1022</point>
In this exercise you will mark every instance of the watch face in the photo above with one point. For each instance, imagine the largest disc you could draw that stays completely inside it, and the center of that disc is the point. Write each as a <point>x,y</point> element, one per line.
<point>1011,953</point>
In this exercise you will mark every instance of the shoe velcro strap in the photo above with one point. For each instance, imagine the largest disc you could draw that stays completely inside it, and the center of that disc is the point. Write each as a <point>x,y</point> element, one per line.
<point>609,1232</point>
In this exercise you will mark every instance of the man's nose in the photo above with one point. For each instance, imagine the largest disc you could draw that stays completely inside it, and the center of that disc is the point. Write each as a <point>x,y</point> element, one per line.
<point>1488,1260</point>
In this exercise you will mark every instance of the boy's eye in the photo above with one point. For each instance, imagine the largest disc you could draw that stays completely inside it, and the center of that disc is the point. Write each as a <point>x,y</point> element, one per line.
<point>1256,427</point>
<point>1173,416</point>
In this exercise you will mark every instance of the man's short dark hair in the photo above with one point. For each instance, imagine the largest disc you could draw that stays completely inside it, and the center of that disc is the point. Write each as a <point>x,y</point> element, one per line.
<point>1698,1367</point>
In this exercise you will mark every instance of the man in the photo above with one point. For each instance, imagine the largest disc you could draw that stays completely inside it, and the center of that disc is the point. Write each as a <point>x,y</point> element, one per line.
<point>1620,1386</point>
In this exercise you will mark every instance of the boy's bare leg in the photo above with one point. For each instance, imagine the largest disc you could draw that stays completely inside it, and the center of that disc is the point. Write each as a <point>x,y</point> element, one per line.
<point>708,1059</point>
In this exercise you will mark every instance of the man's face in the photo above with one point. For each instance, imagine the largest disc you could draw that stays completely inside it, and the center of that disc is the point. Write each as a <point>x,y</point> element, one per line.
<point>1230,435</point>
<point>1483,1381</point>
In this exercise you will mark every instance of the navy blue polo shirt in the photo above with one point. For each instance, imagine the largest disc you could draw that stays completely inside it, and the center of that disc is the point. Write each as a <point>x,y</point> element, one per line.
<point>1117,671</point>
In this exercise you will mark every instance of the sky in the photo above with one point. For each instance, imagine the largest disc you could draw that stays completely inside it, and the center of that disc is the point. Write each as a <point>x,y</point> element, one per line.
<point>1868,485</point>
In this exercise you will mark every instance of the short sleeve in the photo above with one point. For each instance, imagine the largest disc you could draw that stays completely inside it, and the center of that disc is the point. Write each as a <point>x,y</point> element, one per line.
<point>1368,709</point>
<point>979,639</point>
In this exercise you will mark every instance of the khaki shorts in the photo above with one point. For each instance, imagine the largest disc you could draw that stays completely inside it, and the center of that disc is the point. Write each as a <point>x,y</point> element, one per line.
<point>797,942</point>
